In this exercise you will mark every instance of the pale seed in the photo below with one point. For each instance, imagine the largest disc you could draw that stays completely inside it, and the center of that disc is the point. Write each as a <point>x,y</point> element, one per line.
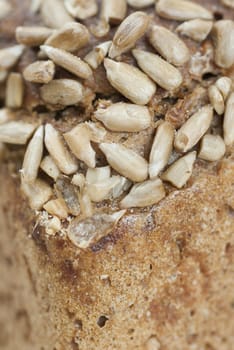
<point>153,344</point>
<point>101,190</point>
<point>125,161</point>
<point>95,57</point>
<point>9,56</point>
<point>71,37</point>
<point>228,123</point>
<point>5,115</point>
<point>81,9</point>
<point>53,226</point>
<point>16,132</point>
<point>129,31</point>
<point>196,29</point>
<point>113,12</point>
<point>161,148</point>
<point>224,84</point>
<point>100,29</point>
<point>121,76</point>
<point>137,4</point>
<point>57,207</point>
<point>216,99</point>
<point>180,171</point>
<point>181,10</point>
<point>54,14</point>
<point>79,141</point>
<point>32,36</point>
<point>66,60</point>
<point>69,194</point>
<point>14,90</point>
<point>41,72</point>
<point>38,193</point>
<point>223,36</point>
<point>146,193</point>
<point>122,117</point>
<point>33,156</point>
<point>212,148</point>
<point>86,206</point>
<point>35,6</point>
<point>122,186</point>
<point>63,92</point>
<point>49,167</point>
<point>159,70</point>
<point>58,151</point>
<point>193,129</point>
<point>169,45</point>
<point>78,180</point>
<point>96,175</point>
<point>85,232</point>
<point>3,76</point>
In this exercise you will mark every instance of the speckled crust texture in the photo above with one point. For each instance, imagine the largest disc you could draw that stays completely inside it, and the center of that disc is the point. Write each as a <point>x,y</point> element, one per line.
<point>166,273</point>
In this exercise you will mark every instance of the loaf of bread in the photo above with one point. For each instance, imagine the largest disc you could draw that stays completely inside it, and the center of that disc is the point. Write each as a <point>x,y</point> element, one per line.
<point>116,175</point>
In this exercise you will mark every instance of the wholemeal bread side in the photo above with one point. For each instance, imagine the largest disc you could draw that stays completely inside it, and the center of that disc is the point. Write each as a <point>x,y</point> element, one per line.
<point>160,277</point>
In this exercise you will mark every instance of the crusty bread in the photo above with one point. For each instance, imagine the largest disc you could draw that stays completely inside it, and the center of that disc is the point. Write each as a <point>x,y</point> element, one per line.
<point>159,279</point>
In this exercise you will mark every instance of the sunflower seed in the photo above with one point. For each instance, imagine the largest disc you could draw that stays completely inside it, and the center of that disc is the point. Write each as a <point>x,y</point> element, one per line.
<point>159,70</point>
<point>68,193</point>
<point>97,175</point>
<point>57,207</point>
<point>122,186</point>
<point>32,36</point>
<point>5,9</point>
<point>85,232</point>
<point>95,57</point>
<point>78,140</point>
<point>224,85</point>
<point>97,133</point>
<point>137,4</point>
<point>129,31</point>
<point>181,10</point>
<point>41,72</point>
<point>33,156</point>
<point>54,14</point>
<point>212,148</point>
<point>86,206</point>
<point>193,129</point>
<point>122,117</point>
<point>101,190</point>
<point>10,55</point>
<point>169,45</point>
<point>66,60</point>
<point>112,12</point>
<point>196,29</point>
<point>223,36</point>
<point>58,151</point>
<point>121,75</point>
<point>216,99</point>
<point>161,148</point>
<point>228,123</point>
<point>100,29</point>
<point>49,167</point>
<point>14,90</point>
<point>125,161</point>
<point>53,226</point>
<point>146,193</point>
<point>181,170</point>
<point>71,37</point>
<point>78,180</point>
<point>81,9</point>
<point>16,132</point>
<point>63,92</point>
<point>229,3</point>
<point>38,193</point>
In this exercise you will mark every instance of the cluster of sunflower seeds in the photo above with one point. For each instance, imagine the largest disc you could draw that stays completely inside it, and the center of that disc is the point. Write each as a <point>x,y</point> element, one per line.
<point>87,164</point>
